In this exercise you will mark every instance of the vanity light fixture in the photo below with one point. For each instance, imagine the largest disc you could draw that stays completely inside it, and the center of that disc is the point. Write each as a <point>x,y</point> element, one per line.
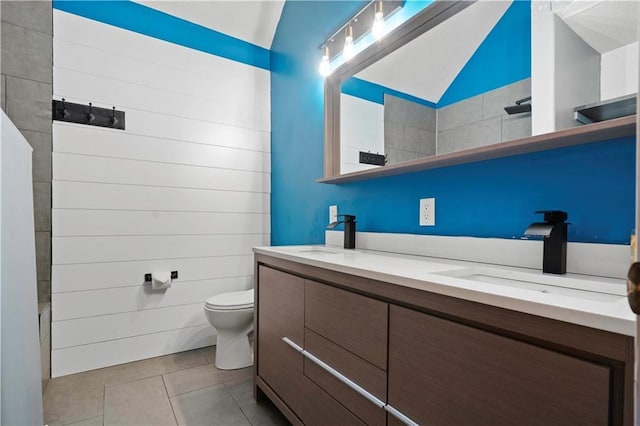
<point>344,39</point>
<point>349,50</point>
<point>325,66</point>
<point>378,30</point>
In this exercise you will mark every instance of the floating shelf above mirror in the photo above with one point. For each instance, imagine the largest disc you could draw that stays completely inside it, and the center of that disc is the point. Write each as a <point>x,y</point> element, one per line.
<point>589,133</point>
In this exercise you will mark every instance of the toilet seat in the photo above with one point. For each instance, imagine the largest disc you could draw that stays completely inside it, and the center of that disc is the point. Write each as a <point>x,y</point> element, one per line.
<point>231,301</point>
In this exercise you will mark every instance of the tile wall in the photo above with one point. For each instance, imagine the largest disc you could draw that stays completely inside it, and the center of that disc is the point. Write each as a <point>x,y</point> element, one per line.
<point>26,86</point>
<point>409,130</point>
<point>413,131</point>
<point>25,91</point>
<point>481,120</point>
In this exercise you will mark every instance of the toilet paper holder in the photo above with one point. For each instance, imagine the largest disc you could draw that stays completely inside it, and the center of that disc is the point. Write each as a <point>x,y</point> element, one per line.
<point>147,276</point>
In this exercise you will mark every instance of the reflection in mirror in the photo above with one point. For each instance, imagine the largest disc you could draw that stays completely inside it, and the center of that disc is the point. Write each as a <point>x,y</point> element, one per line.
<point>444,91</point>
<point>457,86</point>
<point>584,52</point>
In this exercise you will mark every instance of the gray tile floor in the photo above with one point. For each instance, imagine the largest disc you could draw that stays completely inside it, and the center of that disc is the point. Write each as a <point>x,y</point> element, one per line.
<point>178,389</point>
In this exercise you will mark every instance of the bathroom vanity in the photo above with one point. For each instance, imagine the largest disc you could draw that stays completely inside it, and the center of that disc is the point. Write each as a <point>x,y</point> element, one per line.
<point>356,337</point>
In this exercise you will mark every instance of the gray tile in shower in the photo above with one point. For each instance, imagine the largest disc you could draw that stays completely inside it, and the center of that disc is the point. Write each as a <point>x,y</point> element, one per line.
<point>26,53</point>
<point>42,157</point>
<point>34,15</point>
<point>461,113</point>
<point>28,104</point>
<point>474,135</point>
<point>516,127</point>
<point>494,101</point>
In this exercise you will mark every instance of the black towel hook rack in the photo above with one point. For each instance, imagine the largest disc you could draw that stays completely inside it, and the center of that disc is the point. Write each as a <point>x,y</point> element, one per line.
<point>93,116</point>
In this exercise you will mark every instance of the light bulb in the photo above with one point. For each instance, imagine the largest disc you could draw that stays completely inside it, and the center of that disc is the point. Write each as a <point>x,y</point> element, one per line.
<point>325,67</point>
<point>378,30</point>
<point>349,50</point>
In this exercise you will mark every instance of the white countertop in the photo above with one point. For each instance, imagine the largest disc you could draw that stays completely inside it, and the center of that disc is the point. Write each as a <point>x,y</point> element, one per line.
<point>610,313</point>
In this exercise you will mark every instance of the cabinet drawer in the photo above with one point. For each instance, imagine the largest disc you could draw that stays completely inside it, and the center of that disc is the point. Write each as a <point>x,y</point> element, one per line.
<point>280,314</point>
<point>355,322</point>
<point>320,409</point>
<point>444,373</point>
<point>366,375</point>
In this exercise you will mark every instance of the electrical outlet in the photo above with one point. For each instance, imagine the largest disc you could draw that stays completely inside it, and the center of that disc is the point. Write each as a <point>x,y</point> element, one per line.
<point>428,212</point>
<point>333,214</point>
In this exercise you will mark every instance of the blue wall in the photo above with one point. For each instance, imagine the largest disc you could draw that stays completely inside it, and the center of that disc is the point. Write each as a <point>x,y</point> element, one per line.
<point>496,198</point>
<point>504,57</point>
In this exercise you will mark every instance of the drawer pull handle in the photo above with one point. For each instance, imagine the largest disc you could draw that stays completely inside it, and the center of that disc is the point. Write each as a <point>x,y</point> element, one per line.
<point>398,415</point>
<point>347,381</point>
<point>292,344</point>
<point>335,373</point>
<point>344,379</point>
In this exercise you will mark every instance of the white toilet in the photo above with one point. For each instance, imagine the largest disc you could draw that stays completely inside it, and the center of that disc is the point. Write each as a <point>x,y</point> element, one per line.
<point>232,316</point>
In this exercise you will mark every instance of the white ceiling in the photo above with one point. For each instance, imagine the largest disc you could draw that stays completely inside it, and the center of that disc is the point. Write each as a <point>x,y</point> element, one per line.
<point>605,25</point>
<point>426,66</point>
<point>252,21</point>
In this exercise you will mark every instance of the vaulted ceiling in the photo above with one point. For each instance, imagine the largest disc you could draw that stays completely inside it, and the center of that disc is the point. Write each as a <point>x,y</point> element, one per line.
<point>252,21</point>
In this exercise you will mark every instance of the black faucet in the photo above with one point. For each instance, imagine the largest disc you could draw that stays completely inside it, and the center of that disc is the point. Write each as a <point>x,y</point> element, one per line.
<point>554,231</point>
<point>349,230</point>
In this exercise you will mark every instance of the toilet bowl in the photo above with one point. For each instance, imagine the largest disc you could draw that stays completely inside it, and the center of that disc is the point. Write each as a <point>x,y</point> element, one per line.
<point>232,316</point>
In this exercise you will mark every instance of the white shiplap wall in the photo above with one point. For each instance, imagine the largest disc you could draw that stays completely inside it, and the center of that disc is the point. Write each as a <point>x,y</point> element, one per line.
<point>185,187</point>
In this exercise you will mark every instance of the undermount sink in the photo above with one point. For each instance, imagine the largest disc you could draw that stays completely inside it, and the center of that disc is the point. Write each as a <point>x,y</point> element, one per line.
<point>600,291</point>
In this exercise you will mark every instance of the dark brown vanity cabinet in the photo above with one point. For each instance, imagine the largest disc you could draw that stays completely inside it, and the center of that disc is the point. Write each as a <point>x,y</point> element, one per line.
<point>280,314</point>
<point>344,331</point>
<point>348,332</point>
<point>321,409</point>
<point>444,373</point>
<point>354,322</point>
<point>422,358</point>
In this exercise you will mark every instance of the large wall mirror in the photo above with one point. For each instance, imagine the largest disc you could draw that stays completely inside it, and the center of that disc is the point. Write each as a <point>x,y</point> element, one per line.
<point>462,76</point>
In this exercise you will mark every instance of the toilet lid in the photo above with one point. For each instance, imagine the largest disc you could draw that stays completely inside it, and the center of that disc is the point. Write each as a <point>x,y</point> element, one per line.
<point>233,300</point>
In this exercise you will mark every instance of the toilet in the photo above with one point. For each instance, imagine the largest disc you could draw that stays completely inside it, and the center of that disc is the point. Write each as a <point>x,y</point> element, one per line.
<point>232,316</point>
